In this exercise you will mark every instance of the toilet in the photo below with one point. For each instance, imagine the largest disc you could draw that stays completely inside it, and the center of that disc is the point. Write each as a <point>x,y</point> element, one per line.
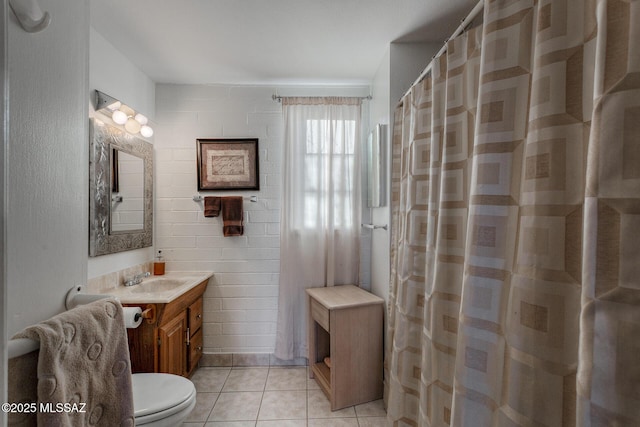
<point>162,400</point>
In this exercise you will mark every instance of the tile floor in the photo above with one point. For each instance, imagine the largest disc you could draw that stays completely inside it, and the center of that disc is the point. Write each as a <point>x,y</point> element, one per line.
<point>271,397</point>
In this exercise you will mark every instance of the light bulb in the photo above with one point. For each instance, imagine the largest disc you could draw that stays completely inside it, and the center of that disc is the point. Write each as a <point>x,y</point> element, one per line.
<point>132,126</point>
<point>146,131</point>
<point>141,118</point>
<point>119,117</point>
<point>127,110</point>
<point>114,106</point>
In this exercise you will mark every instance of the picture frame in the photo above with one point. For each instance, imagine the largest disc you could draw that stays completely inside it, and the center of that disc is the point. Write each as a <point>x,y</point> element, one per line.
<point>228,164</point>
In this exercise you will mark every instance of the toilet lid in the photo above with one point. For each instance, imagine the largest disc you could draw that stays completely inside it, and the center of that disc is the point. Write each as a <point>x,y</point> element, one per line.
<point>154,393</point>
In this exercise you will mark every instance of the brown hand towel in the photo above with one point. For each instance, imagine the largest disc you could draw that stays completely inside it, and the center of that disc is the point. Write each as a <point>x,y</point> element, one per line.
<point>211,206</point>
<point>232,216</point>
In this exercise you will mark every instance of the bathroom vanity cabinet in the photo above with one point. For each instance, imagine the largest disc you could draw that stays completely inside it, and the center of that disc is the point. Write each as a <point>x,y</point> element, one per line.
<point>345,344</point>
<point>171,341</point>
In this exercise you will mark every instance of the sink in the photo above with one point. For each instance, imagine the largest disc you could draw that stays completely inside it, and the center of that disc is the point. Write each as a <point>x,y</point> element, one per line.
<point>156,285</point>
<point>158,289</point>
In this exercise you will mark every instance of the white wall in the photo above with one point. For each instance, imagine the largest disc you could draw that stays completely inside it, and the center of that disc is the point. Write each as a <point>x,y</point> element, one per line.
<point>241,301</point>
<point>47,163</point>
<point>380,216</point>
<point>408,60</point>
<point>400,67</point>
<point>112,73</point>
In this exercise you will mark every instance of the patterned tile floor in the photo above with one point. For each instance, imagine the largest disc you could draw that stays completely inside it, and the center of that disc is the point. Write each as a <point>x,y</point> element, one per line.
<point>270,397</point>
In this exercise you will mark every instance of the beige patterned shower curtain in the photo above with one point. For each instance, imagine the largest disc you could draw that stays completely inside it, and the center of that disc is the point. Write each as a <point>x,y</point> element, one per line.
<point>515,277</point>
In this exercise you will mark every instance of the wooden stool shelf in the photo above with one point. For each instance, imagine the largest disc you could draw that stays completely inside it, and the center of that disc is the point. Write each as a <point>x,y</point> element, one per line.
<point>345,324</point>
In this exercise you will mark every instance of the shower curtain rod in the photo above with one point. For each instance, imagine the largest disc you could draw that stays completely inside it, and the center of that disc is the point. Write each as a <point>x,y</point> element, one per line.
<point>279,98</point>
<point>463,24</point>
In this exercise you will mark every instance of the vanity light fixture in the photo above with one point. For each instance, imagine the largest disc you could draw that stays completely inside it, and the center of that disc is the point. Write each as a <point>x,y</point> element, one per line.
<point>122,114</point>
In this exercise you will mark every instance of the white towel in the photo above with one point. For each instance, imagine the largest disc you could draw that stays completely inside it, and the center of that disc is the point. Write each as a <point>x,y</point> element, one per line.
<point>83,362</point>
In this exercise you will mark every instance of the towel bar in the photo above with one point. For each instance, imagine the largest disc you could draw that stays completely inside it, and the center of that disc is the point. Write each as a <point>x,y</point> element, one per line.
<point>199,198</point>
<point>21,346</point>
<point>374,227</point>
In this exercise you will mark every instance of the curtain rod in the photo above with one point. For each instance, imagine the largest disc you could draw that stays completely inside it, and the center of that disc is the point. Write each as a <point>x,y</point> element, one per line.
<point>463,24</point>
<point>279,98</point>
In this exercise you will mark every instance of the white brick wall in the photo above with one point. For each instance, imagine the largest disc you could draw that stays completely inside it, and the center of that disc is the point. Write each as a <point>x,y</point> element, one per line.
<point>241,301</point>
<point>240,304</point>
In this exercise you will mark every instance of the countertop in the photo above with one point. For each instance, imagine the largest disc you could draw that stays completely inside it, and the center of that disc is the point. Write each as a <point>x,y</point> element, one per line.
<point>159,289</point>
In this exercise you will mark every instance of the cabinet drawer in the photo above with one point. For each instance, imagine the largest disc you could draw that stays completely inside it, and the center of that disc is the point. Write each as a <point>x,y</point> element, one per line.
<point>320,314</point>
<point>195,349</point>
<point>195,315</point>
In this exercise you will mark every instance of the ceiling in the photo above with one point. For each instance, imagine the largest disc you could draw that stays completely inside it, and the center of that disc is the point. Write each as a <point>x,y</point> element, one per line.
<point>311,42</point>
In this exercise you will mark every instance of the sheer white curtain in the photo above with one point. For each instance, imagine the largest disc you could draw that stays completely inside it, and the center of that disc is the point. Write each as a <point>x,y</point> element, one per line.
<point>320,217</point>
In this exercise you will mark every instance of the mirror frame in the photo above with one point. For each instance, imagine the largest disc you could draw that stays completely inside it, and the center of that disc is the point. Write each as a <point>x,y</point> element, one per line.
<point>103,138</point>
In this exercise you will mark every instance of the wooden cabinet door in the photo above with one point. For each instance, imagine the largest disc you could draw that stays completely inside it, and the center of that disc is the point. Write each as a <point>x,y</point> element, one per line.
<point>172,338</point>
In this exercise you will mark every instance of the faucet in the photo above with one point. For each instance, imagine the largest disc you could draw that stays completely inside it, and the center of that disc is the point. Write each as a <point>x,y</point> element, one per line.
<point>137,279</point>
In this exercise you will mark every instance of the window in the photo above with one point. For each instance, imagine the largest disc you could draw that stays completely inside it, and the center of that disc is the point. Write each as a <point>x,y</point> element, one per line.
<point>329,173</point>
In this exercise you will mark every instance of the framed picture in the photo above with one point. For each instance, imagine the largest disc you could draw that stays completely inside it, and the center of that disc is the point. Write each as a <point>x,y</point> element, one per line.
<point>228,164</point>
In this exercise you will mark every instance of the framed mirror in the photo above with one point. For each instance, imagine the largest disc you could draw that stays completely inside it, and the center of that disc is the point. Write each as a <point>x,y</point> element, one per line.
<point>376,167</point>
<point>120,190</point>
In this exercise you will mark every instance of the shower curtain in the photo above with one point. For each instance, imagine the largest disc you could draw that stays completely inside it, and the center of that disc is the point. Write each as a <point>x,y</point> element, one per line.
<point>515,277</point>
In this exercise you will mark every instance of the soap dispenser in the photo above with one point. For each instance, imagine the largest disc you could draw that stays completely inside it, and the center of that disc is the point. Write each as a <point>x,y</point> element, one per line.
<point>158,265</point>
